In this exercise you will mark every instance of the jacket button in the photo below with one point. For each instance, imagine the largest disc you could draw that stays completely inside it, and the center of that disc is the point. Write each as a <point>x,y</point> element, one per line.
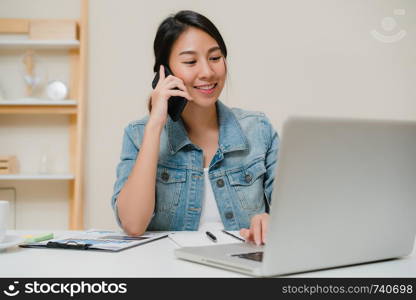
<point>220,183</point>
<point>165,176</point>
<point>229,215</point>
<point>248,178</point>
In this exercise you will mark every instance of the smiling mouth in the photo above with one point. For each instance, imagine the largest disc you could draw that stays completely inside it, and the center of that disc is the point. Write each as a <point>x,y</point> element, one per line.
<point>207,87</point>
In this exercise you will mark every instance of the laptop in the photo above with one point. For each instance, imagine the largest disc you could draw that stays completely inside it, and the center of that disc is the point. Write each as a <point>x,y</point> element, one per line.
<point>344,194</point>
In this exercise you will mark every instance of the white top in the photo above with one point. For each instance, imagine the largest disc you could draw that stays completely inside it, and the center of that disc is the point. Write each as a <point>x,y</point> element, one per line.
<point>210,217</point>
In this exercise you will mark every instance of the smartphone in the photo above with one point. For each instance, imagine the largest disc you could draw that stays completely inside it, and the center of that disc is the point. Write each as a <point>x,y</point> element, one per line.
<point>176,104</point>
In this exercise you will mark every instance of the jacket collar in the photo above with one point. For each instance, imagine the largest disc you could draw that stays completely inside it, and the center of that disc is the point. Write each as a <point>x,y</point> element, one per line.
<point>231,136</point>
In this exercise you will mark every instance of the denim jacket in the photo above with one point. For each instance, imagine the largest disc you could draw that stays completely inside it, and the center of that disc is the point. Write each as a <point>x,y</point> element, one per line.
<point>241,172</point>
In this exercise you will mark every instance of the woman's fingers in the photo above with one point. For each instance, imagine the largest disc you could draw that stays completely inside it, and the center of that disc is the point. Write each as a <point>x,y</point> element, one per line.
<point>258,229</point>
<point>161,74</point>
<point>172,82</point>
<point>265,226</point>
<point>245,233</point>
<point>250,234</point>
<point>176,84</point>
<point>179,93</point>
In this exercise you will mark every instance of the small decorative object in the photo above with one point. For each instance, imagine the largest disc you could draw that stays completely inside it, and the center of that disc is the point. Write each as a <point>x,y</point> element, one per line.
<point>8,164</point>
<point>1,95</point>
<point>43,164</point>
<point>56,90</point>
<point>29,76</point>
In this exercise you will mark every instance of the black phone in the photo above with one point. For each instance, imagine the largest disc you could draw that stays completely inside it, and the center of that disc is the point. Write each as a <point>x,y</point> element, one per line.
<point>176,104</point>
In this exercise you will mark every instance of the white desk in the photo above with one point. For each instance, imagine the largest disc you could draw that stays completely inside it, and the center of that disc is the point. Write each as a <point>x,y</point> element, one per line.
<point>155,259</point>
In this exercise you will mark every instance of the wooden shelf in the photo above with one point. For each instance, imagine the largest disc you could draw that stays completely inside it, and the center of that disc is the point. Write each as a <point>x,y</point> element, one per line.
<point>26,34</point>
<point>38,110</point>
<point>38,106</point>
<point>37,101</point>
<point>39,44</point>
<point>37,177</point>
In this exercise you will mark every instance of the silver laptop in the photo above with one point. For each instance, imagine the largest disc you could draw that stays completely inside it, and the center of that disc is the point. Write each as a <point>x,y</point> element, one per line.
<point>345,193</point>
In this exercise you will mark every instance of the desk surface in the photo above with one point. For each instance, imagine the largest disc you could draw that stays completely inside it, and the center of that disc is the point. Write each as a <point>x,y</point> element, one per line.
<point>155,259</point>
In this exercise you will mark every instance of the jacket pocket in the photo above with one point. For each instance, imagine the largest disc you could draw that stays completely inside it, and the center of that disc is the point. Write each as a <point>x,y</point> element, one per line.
<point>169,183</point>
<point>249,186</point>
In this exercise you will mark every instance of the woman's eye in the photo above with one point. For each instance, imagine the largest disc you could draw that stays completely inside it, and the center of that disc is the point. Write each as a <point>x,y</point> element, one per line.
<point>194,61</point>
<point>216,58</point>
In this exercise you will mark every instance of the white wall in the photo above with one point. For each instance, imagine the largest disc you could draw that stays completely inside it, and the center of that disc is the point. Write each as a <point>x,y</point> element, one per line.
<point>285,57</point>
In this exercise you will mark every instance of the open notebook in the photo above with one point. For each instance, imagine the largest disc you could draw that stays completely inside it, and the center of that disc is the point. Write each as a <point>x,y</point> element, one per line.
<point>200,238</point>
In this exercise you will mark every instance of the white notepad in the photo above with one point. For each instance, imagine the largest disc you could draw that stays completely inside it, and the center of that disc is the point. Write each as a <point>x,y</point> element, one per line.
<point>199,238</point>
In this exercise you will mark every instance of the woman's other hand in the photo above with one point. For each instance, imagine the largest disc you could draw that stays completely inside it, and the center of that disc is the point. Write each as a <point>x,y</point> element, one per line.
<point>258,229</point>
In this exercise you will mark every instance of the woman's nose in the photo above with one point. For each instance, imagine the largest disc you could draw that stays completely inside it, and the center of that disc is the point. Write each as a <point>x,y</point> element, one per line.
<point>205,71</point>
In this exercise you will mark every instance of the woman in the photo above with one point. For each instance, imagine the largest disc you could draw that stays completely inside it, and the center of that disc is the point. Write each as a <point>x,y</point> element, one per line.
<point>215,165</point>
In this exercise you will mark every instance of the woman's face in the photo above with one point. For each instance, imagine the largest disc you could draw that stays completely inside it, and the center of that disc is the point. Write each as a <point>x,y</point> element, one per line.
<point>197,59</point>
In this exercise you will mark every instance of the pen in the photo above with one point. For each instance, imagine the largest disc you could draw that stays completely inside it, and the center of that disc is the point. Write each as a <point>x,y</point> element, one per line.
<point>234,236</point>
<point>211,236</point>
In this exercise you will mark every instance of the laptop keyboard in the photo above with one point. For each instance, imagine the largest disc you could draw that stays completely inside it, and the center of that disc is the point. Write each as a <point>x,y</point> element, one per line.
<point>257,256</point>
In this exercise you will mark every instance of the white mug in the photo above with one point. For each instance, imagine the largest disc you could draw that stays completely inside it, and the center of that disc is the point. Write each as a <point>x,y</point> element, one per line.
<point>4,218</point>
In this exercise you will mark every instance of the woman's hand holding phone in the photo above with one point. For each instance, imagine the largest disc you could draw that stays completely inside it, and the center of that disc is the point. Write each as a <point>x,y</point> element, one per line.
<point>165,89</point>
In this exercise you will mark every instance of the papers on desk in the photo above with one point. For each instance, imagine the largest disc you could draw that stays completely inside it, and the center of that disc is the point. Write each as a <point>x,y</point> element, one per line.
<point>199,238</point>
<point>97,240</point>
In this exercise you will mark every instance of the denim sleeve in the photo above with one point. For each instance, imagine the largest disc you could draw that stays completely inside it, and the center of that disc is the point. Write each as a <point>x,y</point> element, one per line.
<point>127,160</point>
<point>271,160</point>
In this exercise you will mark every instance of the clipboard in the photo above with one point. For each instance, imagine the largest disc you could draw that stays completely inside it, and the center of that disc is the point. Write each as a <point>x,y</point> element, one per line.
<point>98,240</point>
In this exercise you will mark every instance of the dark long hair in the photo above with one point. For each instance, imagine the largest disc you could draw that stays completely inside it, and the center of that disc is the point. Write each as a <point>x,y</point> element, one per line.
<point>170,30</point>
